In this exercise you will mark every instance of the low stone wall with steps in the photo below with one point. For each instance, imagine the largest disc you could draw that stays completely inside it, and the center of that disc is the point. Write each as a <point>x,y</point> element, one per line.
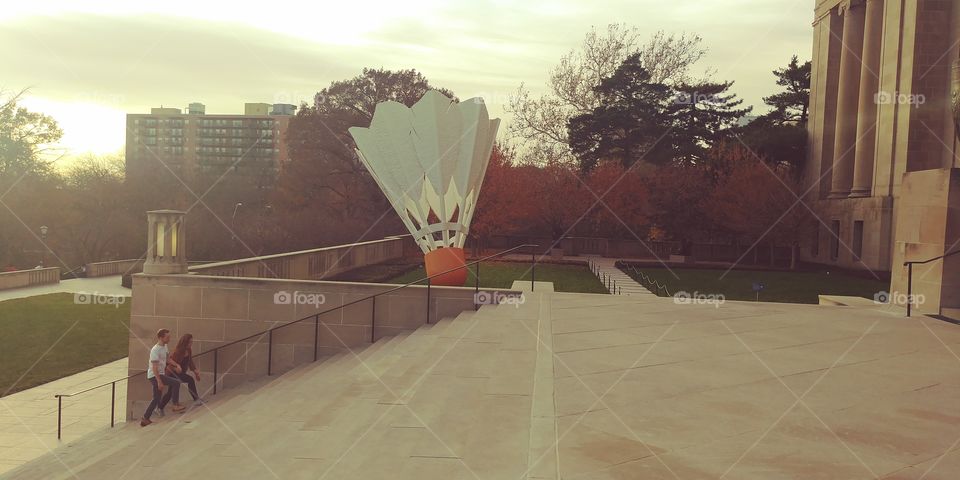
<point>217,310</point>
<point>29,278</point>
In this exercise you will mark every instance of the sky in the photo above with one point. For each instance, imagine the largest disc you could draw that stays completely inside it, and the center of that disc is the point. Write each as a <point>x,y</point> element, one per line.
<point>89,63</point>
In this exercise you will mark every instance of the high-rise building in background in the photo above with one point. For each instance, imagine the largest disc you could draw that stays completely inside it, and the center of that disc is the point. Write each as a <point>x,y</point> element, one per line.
<point>196,145</point>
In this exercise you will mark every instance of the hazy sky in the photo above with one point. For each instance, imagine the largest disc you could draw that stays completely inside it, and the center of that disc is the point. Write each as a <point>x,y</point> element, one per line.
<point>88,63</point>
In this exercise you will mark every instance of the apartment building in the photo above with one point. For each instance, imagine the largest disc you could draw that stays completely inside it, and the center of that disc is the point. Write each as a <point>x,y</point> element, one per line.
<point>196,145</point>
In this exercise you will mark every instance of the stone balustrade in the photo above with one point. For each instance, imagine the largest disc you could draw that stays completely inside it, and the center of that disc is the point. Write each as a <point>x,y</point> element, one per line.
<point>314,264</point>
<point>29,278</point>
<point>116,267</point>
<point>218,309</point>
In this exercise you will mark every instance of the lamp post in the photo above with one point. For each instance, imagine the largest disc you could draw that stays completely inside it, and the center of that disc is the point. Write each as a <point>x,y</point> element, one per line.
<point>43,240</point>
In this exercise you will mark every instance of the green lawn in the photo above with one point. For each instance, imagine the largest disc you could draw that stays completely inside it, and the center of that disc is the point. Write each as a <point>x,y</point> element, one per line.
<point>565,278</point>
<point>49,336</point>
<point>378,272</point>
<point>791,287</point>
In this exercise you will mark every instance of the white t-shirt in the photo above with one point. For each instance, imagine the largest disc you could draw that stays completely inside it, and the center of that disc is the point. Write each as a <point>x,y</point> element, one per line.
<point>158,353</point>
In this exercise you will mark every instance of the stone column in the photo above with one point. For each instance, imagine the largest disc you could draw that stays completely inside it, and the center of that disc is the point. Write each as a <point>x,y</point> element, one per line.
<point>165,243</point>
<point>869,97</point>
<point>848,99</point>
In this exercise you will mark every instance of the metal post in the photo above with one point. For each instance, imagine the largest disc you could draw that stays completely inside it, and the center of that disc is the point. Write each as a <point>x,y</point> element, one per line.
<point>269,352</point>
<point>428,301</point>
<point>113,400</point>
<point>59,410</point>
<point>216,355</point>
<point>316,335</point>
<point>476,288</point>
<point>909,287</point>
<point>373,320</point>
<point>533,266</point>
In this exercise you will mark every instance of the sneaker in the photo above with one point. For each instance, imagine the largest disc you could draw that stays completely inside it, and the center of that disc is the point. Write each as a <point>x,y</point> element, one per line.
<point>198,402</point>
<point>144,422</point>
<point>160,413</point>
<point>177,408</point>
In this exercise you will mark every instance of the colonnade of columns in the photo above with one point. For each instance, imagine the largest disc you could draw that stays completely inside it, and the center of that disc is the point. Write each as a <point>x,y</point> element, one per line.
<point>857,97</point>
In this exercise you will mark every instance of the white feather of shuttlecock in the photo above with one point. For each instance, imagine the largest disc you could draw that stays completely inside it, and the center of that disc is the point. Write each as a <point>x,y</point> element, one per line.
<point>430,158</point>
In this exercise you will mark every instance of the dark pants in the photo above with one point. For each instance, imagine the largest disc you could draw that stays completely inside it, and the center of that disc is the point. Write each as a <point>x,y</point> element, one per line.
<point>191,384</point>
<point>173,391</point>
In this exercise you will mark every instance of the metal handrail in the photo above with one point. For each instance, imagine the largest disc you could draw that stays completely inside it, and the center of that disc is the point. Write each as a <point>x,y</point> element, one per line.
<point>909,264</point>
<point>655,284</point>
<point>316,317</point>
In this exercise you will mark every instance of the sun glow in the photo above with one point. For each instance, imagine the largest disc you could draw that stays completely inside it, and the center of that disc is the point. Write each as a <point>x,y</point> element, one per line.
<point>89,126</point>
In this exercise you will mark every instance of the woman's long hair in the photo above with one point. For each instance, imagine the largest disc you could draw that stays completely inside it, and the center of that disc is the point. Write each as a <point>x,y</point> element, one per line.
<point>181,350</point>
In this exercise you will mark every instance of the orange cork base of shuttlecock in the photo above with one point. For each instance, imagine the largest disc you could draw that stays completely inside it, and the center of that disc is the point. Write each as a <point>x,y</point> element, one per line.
<point>444,259</point>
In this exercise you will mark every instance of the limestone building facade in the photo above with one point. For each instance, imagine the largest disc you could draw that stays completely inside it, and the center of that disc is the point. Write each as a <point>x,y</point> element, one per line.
<point>879,108</point>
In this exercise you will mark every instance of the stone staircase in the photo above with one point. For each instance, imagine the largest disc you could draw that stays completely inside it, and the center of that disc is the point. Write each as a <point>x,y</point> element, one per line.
<point>621,284</point>
<point>450,400</point>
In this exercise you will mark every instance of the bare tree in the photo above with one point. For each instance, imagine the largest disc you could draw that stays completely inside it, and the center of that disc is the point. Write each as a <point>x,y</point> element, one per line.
<point>540,123</point>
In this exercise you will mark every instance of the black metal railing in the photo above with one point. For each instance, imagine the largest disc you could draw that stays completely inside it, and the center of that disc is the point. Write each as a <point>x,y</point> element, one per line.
<point>652,284</point>
<point>316,338</point>
<point>608,281</point>
<point>909,265</point>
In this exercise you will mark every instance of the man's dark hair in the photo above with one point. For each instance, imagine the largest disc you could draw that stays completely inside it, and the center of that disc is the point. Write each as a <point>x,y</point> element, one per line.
<point>162,332</point>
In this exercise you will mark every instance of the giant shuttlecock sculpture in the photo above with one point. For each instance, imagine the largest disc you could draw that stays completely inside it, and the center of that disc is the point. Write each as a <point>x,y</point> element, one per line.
<point>430,160</point>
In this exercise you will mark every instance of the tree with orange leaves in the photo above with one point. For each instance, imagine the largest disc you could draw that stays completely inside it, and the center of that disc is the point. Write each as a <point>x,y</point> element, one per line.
<point>498,210</point>
<point>759,202</point>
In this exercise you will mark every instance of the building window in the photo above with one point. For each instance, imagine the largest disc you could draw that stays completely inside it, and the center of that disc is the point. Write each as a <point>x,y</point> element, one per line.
<point>857,239</point>
<point>835,240</point>
<point>815,245</point>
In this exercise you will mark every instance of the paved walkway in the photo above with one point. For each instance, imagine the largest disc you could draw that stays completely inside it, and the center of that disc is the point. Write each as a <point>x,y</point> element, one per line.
<point>580,387</point>
<point>28,419</point>
<point>105,285</point>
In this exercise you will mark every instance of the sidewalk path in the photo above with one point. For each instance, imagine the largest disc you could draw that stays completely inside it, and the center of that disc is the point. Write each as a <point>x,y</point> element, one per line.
<point>28,419</point>
<point>104,285</point>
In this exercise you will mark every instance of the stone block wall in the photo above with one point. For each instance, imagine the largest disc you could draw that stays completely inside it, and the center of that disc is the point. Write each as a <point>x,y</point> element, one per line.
<point>928,225</point>
<point>218,310</point>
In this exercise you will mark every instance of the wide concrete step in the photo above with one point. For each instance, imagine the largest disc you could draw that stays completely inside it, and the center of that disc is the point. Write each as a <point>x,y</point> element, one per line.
<point>387,410</point>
